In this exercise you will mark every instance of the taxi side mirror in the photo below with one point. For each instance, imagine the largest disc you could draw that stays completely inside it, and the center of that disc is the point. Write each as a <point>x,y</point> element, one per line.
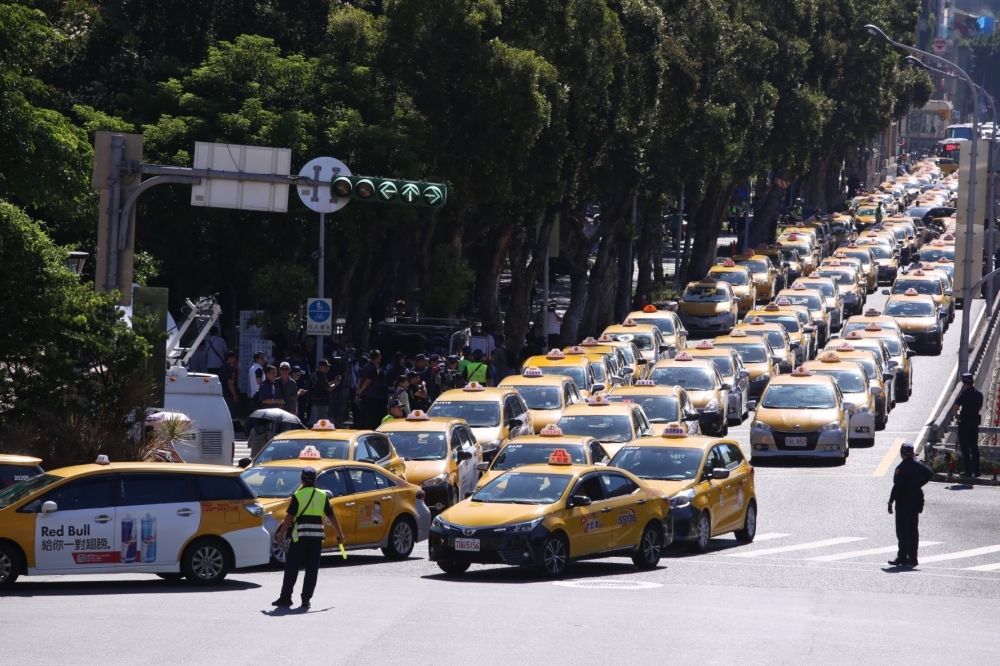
<point>329,494</point>
<point>664,349</point>
<point>483,466</point>
<point>948,292</point>
<point>49,507</point>
<point>244,463</point>
<point>892,363</point>
<point>597,388</point>
<point>580,500</point>
<point>909,339</point>
<point>809,329</point>
<point>751,405</point>
<point>876,391</point>
<point>513,424</point>
<point>627,371</point>
<point>848,406</point>
<point>684,332</point>
<point>794,344</point>
<point>886,376</point>
<point>744,374</point>
<point>719,473</point>
<point>726,386</point>
<point>885,292</point>
<point>910,353</point>
<point>463,456</point>
<point>641,361</point>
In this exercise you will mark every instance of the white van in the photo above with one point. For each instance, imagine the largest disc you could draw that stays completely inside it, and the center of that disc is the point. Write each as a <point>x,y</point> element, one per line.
<point>199,396</point>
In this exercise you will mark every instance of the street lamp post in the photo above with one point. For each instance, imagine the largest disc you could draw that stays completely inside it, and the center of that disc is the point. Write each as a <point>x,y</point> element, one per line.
<point>963,345</point>
<point>75,261</point>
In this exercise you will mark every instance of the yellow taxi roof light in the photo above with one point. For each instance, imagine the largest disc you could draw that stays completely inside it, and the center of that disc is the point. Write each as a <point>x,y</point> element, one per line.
<point>911,292</point>
<point>852,246</point>
<point>417,415</point>
<point>815,275</point>
<point>756,321</point>
<point>605,338</point>
<point>762,246</point>
<point>474,386</point>
<point>629,322</point>
<point>705,344</point>
<point>944,260</point>
<point>532,371</point>
<point>729,263</point>
<point>674,431</point>
<point>801,371</point>
<point>872,312</point>
<point>555,353</point>
<point>550,430</point>
<point>834,263</point>
<point>830,357</point>
<point>798,286</point>
<point>918,272</point>
<point>599,400</point>
<point>324,424</point>
<point>873,327</point>
<point>576,350</point>
<point>309,453</point>
<point>738,333</point>
<point>560,457</point>
<point>102,460</point>
<point>650,308</point>
<point>853,335</point>
<point>792,237</point>
<point>644,382</point>
<point>845,347</point>
<point>782,301</point>
<point>589,342</point>
<point>771,307</point>
<point>683,356</point>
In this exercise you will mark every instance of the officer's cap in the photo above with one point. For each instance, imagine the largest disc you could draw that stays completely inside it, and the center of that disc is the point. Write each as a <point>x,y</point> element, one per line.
<point>308,474</point>
<point>906,449</point>
<point>967,377</point>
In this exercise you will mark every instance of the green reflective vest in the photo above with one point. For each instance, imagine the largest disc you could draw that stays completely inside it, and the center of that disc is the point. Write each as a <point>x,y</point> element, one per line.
<point>309,518</point>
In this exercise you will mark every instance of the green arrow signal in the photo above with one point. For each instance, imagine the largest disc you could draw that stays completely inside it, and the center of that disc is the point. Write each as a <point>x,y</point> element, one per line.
<point>387,191</point>
<point>432,195</point>
<point>411,192</point>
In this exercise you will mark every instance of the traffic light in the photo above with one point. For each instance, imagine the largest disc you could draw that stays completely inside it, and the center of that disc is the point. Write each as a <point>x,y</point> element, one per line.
<point>390,190</point>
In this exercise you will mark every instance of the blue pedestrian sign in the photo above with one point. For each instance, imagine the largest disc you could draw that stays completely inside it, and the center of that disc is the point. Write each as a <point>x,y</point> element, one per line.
<point>320,319</point>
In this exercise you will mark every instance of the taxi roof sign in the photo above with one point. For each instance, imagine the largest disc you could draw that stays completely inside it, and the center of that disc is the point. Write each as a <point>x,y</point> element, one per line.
<point>815,275</point>
<point>911,292</point>
<point>417,415</point>
<point>944,260</point>
<point>102,460</point>
<point>560,457</point>
<point>738,333</point>
<point>683,356</point>
<point>834,263</point>
<point>801,371</point>
<point>872,312</point>
<point>324,424</point>
<point>551,430</point>
<point>782,301</point>
<point>762,246</point>
<point>605,338</point>
<point>598,400</point>
<point>799,286</point>
<point>874,326</point>
<point>705,344</point>
<point>771,307</point>
<point>845,347</point>
<point>756,321</point>
<point>589,342</point>
<point>830,357</point>
<point>644,382</point>
<point>474,386</point>
<point>532,371</point>
<point>650,308</point>
<point>793,237</point>
<point>629,322</point>
<point>729,263</point>
<point>918,272</point>
<point>555,353</point>
<point>853,335</point>
<point>750,253</point>
<point>674,431</point>
<point>576,350</point>
<point>310,452</point>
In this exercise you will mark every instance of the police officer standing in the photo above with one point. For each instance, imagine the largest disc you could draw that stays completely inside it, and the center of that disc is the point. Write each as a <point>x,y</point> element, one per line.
<point>967,408</point>
<point>309,510</point>
<point>910,477</point>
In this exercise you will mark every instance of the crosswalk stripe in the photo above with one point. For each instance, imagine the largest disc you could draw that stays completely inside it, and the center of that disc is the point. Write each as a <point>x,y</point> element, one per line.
<point>985,550</point>
<point>984,567</point>
<point>799,546</point>
<point>861,553</point>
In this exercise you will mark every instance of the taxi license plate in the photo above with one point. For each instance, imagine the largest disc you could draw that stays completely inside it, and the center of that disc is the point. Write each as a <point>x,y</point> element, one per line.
<point>795,441</point>
<point>467,544</point>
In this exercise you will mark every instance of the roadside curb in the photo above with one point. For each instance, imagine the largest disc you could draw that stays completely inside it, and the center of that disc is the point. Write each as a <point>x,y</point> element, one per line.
<point>964,480</point>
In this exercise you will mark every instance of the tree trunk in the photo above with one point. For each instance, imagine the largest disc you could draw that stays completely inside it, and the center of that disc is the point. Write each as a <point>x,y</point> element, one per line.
<point>626,262</point>
<point>603,287</point>
<point>707,224</point>
<point>528,254</point>
<point>814,192</point>
<point>574,251</point>
<point>649,258</point>
<point>834,190</point>
<point>488,267</point>
<point>763,226</point>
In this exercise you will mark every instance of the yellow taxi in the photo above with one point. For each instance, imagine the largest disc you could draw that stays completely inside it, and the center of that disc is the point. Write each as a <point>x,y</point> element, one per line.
<point>879,375</point>
<point>871,315</point>
<point>195,521</point>
<point>670,325</point>
<point>611,423</point>
<point>440,454</point>
<point>764,273</point>
<point>807,253</point>
<point>831,294</point>
<point>795,320</point>
<point>633,357</point>
<point>757,355</point>
<point>332,444</point>
<point>604,365</point>
<point>733,372</point>
<point>899,353</point>
<point>624,369</point>
<point>577,367</point>
<point>375,509</point>
<point>879,347</point>
<point>775,334</point>
<point>869,267</point>
<point>740,279</point>
<point>708,480</point>
<point>495,415</point>
<point>660,404</point>
<point>942,264</point>
<point>854,385</point>
<point>815,303</point>
<point>545,395</point>
<point>936,249</point>
<point>18,468</point>
<point>866,215</point>
<point>704,384</point>
<point>708,306</point>
<point>933,284</point>
<point>919,317</point>
<point>547,516</point>
<point>886,263</point>
<point>848,280</point>
<point>906,242</point>
<point>801,414</point>
<point>786,263</point>
<point>536,450</point>
<point>841,228</point>
<point>646,337</point>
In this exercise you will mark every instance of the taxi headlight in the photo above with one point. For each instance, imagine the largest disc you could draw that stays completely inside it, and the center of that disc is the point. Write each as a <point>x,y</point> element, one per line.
<point>863,409</point>
<point>682,499</point>
<point>831,427</point>
<point>760,425</point>
<point>526,526</point>
<point>440,524</point>
<point>712,406</point>
<point>434,481</point>
<point>255,509</point>
<point>933,329</point>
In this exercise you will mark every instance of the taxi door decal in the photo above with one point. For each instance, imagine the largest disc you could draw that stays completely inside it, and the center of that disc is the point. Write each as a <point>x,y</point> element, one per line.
<point>75,539</point>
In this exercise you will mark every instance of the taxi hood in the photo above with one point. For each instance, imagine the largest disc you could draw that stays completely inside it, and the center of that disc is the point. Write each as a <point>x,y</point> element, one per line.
<point>757,369</point>
<point>479,514</point>
<point>671,488</point>
<point>785,420</point>
<point>704,309</point>
<point>916,324</point>
<point>539,419</point>
<point>484,435</point>
<point>701,398</point>
<point>418,471</point>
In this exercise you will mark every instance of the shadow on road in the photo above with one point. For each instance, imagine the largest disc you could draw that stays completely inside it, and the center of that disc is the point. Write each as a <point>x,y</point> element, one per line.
<point>58,588</point>
<point>792,463</point>
<point>510,575</point>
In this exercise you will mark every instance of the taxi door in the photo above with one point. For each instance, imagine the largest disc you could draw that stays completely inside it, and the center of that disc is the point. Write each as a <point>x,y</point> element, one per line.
<point>722,503</point>
<point>590,527</point>
<point>157,514</point>
<point>624,511</point>
<point>739,486</point>
<point>711,490</point>
<point>374,496</point>
<point>463,440</point>
<point>80,533</point>
<point>334,482</point>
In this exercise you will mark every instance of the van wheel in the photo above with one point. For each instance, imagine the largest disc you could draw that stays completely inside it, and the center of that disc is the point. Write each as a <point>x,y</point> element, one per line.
<point>749,530</point>
<point>10,565</point>
<point>401,539</point>
<point>206,561</point>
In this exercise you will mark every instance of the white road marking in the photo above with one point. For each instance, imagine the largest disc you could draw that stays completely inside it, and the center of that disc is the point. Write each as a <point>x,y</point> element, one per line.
<point>861,553</point>
<point>799,546</point>
<point>769,536</point>
<point>985,567</point>
<point>985,550</point>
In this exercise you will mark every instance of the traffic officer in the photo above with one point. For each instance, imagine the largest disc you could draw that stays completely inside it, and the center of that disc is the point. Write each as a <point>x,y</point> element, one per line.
<point>967,410</point>
<point>910,477</point>
<point>309,510</point>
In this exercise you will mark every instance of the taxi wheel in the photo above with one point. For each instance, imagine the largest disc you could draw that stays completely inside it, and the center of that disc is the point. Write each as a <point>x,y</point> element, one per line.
<point>554,557</point>
<point>279,553</point>
<point>453,568</point>
<point>702,533</point>
<point>10,565</point>
<point>206,562</point>
<point>401,539</point>
<point>648,555</point>
<point>749,530</point>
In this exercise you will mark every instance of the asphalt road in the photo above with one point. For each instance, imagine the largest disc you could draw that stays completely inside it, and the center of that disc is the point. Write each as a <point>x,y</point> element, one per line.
<point>813,588</point>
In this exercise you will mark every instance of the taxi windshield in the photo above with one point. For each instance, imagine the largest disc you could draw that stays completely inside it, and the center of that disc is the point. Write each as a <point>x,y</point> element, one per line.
<point>798,396</point>
<point>925,287</point>
<point>895,349</point>
<point>643,341</point>
<point>289,449</point>
<point>414,445</point>
<point>658,408</point>
<point>935,253</point>
<point>790,322</point>
<point>659,463</point>
<point>723,362</point>
<point>849,381</point>
<point>910,309</point>
<point>732,277</point>
<point>705,295</point>
<point>776,338</point>
<point>477,413</point>
<point>863,257</point>
<point>602,428</point>
<point>575,372</point>
<point>541,397</point>
<point>825,287</point>
<point>749,353</point>
<point>22,489</point>
<point>840,277</point>
<point>812,302</point>
<point>691,378</point>
<point>866,212</point>
<point>515,455</point>
<point>273,481</point>
<point>665,324</point>
<point>755,265</point>
<point>880,251</point>
<point>521,488</point>
<point>790,255</point>
<point>860,326</point>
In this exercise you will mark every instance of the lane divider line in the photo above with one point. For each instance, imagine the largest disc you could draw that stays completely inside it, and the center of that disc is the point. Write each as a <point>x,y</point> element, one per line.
<point>984,567</point>
<point>799,546</point>
<point>769,536</point>
<point>985,550</point>
<point>861,553</point>
<point>889,457</point>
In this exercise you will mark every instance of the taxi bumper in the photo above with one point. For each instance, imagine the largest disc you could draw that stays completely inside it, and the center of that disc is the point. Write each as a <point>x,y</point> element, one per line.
<point>251,546</point>
<point>774,444</point>
<point>713,324</point>
<point>436,497</point>
<point>862,425</point>
<point>496,545</point>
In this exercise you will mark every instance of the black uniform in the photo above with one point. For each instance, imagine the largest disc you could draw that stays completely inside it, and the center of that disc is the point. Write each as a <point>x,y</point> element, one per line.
<point>910,477</point>
<point>971,402</point>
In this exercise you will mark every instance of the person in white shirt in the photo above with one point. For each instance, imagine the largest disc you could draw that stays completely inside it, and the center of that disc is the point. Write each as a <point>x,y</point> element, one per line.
<point>553,326</point>
<point>256,376</point>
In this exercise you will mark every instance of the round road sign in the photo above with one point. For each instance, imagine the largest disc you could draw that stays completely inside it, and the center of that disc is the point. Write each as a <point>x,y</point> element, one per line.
<point>319,199</point>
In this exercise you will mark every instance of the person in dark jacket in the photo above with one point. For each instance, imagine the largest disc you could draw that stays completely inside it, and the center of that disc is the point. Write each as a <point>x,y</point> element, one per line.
<point>967,409</point>
<point>908,481</point>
